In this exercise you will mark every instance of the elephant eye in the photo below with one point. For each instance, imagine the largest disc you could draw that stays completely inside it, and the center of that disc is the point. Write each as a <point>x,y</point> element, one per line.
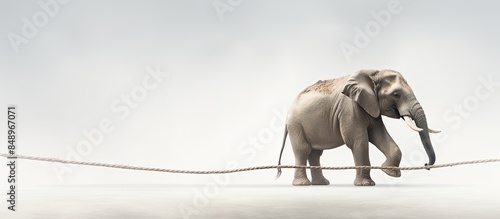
<point>396,95</point>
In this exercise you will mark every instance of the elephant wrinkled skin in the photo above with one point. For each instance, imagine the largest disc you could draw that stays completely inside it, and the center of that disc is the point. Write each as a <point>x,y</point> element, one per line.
<point>347,110</point>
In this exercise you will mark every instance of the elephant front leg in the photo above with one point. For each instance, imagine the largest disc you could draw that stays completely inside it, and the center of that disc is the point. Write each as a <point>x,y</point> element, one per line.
<point>384,142</point>
<point>317,174</point>
<point>359,147</point>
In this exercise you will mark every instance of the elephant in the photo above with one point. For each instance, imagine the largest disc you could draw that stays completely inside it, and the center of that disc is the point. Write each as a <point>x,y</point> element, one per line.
<point>348,110</point>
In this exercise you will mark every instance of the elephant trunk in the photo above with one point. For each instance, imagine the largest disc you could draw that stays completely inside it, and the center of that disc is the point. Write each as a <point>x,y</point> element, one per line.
<point>418,115</point>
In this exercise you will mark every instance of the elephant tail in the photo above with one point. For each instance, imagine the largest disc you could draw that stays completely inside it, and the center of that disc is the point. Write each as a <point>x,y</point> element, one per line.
<point>281,153</point>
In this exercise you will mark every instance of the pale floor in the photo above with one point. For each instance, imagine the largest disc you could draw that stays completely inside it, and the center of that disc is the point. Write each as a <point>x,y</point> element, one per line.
<point>259,201</point>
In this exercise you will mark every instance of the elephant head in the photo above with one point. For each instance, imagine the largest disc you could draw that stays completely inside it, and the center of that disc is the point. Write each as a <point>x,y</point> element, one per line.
<point>387,93</point>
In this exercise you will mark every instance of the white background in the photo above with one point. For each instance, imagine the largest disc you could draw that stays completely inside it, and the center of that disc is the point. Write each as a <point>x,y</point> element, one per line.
<point>233,74</point>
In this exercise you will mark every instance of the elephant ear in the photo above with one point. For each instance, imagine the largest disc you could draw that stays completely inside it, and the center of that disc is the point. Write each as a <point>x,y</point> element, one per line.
<point>361,88</point>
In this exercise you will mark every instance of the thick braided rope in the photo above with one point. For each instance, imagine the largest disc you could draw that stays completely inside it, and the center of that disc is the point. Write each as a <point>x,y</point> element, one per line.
<point>120,166</point>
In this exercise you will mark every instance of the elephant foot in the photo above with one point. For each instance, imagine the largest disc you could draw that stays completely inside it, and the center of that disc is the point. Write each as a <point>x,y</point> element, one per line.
<point>301,182</point>
<point>363,182</point>
<point>320,181</point>
<point>391,172</point>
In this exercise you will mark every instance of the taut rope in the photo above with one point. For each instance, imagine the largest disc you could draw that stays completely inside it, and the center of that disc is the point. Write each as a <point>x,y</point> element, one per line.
<point>155,169</point>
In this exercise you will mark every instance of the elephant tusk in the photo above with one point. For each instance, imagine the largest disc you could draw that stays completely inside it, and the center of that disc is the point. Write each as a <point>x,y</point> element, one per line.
<point>434,131</point>
<point>411,124</point>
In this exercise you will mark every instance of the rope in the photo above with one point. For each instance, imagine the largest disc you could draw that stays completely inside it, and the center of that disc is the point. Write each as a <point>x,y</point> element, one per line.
<point>127,167</point>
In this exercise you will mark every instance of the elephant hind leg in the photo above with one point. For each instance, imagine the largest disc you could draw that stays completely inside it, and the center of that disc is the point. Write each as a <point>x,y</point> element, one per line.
<point>300,177</point>
<point>317,174</point>
<point>301,150</point>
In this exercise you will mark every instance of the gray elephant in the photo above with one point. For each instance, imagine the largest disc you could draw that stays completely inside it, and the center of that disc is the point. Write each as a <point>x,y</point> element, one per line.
<point>347,110</point>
